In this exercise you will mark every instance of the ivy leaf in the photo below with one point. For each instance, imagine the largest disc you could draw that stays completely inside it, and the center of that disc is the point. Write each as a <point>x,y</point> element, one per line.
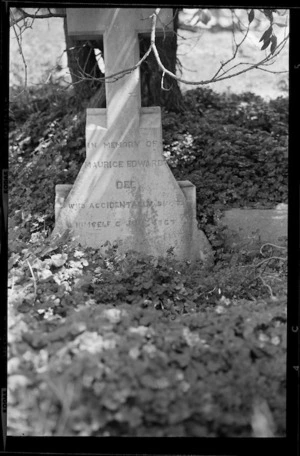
<point>251,16</point>
<point>201,15</point>
<point>44,275</point>
<point>59,259</point>
<point>13,260</point>
<point>266,44</point>
<point>147,284</point>
<point>269,14</point>
<point>274,43</point>
<point>205,17</point>
<point>267,34</point>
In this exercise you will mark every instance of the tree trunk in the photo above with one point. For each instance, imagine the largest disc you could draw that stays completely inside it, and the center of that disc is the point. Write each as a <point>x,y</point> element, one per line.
<point>153,94</point>
<point>81,61</point>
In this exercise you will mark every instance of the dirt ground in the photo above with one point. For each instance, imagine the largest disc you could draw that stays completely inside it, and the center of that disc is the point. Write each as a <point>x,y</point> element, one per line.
<point>199,52</point>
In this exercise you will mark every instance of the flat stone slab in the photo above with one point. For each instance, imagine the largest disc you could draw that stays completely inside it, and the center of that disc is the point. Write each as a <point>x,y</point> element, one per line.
<point>247,226</point>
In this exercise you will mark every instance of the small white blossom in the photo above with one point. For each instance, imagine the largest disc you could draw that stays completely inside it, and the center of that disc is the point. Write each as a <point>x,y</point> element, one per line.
<point>179,376</point>
<point>263,337</point>
<point>134,352</point>
<point>275,340</point>
<point>192,339</point>
<point>149,348</point>
<point>220,309</point>
<point>162,383</point>
<point>114,315</point>
<point>185,386</point>
<point>141,330</point>
<point>78,254</point>
<point>224,300</point>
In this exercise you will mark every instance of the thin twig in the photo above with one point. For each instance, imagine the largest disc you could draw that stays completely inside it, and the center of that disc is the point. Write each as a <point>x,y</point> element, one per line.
<point>116,76</point>
<point>258,65</point>
<point>267,286</point>
<point>22,55</point>
<point>269,259</point>
<point>272,245</point>
<point>34,279</point>
<point>237,46</point>
<point>35,16</point>
<point>270,71</point>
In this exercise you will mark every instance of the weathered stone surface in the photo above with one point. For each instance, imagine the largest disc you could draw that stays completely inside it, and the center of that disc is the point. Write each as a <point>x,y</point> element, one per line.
<point>245,226</point>
<point>125,191</point>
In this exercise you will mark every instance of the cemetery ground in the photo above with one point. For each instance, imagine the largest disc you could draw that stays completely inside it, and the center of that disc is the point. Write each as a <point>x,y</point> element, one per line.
<point>129,345</point>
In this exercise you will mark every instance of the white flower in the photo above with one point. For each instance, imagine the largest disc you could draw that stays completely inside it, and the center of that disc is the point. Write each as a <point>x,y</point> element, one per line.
<point>94,343</point>
<point>134,352</point>
<point>141,330</point>
<point>179,376</point>
<point>275,340</point>
<point>220,309</point>
<point>263,337</point>
<point>192,339</point>
<point>224,300</point>
<point>185,386</point>
<point>114,315</point>
<point>149,348</point>
<point>162,383</point>
<point>78,254</point>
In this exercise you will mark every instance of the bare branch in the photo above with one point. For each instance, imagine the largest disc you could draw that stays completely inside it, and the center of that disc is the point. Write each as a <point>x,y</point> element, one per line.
<point>115,76</point>
<point>237,46</point>
<point>162,83</point>
<point>214,78</point>
<point>269,60</point>
<point>83,75</point>
<point>270,71</point>
<point>267,286</point>
<point>22,55</point>
<point>34,279</point>
<point>35,16</point>
<point>271,245</point>
<point>269,259</point>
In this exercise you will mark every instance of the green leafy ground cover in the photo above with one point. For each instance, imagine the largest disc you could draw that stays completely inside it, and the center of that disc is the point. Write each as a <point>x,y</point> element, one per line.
<point>129,344</point>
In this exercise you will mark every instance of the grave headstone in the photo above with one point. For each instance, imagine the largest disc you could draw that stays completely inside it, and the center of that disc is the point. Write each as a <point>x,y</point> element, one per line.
<point>246,227</point>
<point>125,191</point>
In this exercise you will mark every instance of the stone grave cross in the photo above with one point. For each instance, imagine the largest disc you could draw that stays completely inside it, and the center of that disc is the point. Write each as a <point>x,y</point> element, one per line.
<point>125,191</point>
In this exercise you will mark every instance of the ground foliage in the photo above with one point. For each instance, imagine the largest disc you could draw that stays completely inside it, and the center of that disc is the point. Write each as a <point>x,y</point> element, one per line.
<point>235,153</point>
<point>130,344</point>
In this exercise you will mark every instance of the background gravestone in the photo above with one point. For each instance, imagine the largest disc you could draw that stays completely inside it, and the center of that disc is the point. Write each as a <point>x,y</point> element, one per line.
<point>125,192</point>
<point>246,227</point>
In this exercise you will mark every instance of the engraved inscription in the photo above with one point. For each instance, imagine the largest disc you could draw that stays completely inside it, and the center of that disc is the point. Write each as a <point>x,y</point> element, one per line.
<point>144,163</point>
<point>125,184</point>
<point>105,164</point>
<point>116,144</point>
<point>130,222</point>
<point>122,164</point>
<point>122,204</point>
<point>121,144</point>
